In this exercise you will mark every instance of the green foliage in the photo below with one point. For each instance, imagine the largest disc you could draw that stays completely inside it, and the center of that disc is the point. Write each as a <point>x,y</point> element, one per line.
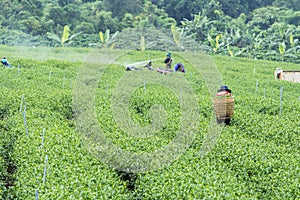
<point>292,4</point>
<point>200,24</point>
<point>143,46</point>
<point>32,25</point>
<point>244,27</point>
<point>85,28</point>
<point>214,43</point>
<point>106,40</point>
<point>176,34</point>
<point>282,49</point>
<point>56,14</point>
<point>230,51</point>
<point>181,38</point>
<point>65,38</point>
<point>258,151</point>
<point>119,8</point>
<point>65,35</point>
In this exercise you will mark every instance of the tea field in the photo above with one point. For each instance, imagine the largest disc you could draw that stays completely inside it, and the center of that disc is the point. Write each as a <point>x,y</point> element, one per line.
<point>75,124</point>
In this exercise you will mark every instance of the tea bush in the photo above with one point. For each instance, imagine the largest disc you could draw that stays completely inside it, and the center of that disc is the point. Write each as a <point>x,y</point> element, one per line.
<point>255,157</point>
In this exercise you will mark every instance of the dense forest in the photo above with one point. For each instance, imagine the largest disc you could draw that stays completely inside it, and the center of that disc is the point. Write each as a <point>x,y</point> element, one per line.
<point>262,29</point>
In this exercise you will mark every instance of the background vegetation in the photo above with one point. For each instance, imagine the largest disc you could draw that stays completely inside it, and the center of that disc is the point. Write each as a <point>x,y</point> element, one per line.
<point>254,29</point>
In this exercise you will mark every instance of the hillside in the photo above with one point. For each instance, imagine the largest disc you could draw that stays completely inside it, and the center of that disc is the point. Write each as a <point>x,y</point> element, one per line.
<point>258,29</point>
<point>75,125</point>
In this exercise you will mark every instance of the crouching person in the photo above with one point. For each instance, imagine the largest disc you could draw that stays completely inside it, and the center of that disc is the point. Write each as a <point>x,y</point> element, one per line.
<point>178,67</point>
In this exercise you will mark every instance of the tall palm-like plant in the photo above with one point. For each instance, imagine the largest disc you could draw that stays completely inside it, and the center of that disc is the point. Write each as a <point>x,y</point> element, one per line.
<point>281,49</point>
<point>65,38</point>
<point>283,43</point>
<point>180,37</point>
<point>144,45</point>
<point>215,43</point>
<point>200,24</point>
<point>106,40</point>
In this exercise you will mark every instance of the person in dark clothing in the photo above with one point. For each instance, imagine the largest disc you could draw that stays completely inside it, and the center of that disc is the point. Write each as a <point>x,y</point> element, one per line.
<point>168,61</point>
<point>224,105</point>
<point>131,68</point>
<point>149,65</point>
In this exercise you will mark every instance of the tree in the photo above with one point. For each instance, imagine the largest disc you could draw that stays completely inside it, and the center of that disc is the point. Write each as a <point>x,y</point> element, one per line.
<point>63,3</point>
<point>263,18</point>
<point>292,17</point>
<point>181,9</point>
<point>85,27</point>
<point>57,14</point>
<point>234,8</point>
<point>233,11</point>
<point>291,4</point>
<point>32,26</point>
<point>120,7</point>
<point>72,14</point>
<point>103,20</point>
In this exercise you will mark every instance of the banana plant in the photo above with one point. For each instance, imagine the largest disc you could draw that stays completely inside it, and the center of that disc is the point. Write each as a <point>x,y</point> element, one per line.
<point>145,45</point>
<point>180,37</point>
<point>200,25</point>
<point>282,41</point>
<point>292,41</point>
<point>175,34</point>
<point>281,49</point>
<point>214,43</point>
<point>65,39</point>
<point>106,40</point>
<point>230,51</point>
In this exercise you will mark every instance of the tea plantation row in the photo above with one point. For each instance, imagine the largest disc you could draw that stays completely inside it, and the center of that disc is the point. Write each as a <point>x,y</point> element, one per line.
<point>44,156</point>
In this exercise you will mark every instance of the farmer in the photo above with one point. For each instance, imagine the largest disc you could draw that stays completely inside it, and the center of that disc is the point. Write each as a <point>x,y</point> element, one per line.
<point>131,68</point>
<point>149,65</point>
<point>5,62</point>
<point>178,67</point>
<point>224,105</point>
<point>278,73</point>
<point>168,61</point>
<point>224,91</point>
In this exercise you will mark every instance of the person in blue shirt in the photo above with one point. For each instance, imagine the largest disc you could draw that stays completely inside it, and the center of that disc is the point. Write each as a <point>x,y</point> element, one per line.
<point>5,62</point>
<point>178,67</point>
